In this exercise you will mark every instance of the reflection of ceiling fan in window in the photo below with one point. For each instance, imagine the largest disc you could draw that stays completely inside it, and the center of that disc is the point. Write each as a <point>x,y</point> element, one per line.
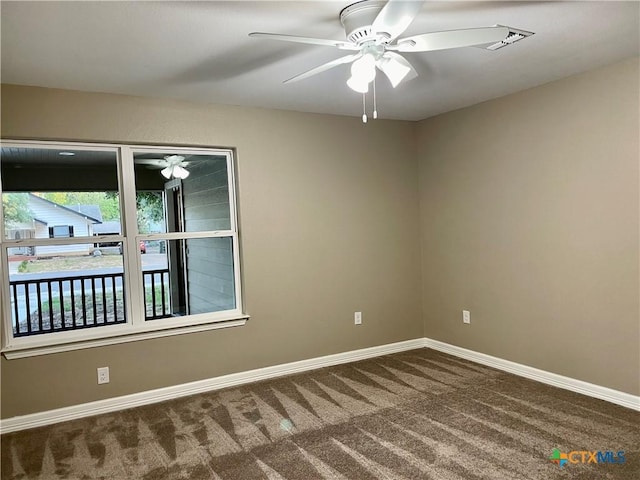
<point>173,166</point>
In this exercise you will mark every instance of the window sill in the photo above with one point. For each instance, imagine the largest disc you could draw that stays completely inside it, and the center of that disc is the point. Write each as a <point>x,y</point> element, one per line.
<point>23,351</point>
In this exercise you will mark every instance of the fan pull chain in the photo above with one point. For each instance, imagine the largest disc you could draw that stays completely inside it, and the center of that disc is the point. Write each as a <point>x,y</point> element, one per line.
<point>364,108</point>
<point>375,108</point>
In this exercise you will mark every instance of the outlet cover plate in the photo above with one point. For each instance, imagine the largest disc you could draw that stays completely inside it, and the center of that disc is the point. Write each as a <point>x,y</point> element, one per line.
<point>103,375</point>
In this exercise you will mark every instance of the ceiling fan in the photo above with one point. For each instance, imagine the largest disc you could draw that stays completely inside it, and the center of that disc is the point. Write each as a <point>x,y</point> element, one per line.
<point>373,29</point>
<point>173,166</point>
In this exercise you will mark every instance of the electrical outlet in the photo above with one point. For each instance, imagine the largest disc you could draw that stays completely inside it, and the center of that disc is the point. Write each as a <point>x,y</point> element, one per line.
<point>466,316</point>
<point>357,318</point>
<point>103,375</point>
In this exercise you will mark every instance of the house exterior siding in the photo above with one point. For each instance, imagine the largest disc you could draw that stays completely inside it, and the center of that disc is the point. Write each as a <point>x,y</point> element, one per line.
<point>209,261</point>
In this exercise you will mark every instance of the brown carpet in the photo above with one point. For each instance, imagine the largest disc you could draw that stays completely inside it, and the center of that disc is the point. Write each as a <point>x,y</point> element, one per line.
<point>414,415</point>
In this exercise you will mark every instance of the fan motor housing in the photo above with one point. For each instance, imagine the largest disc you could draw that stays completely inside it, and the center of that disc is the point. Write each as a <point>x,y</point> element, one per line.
<point>357,19</point>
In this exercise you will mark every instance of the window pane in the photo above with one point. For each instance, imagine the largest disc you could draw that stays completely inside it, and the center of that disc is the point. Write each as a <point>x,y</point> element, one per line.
<point>71,287</point>
<point>64,231</point>
<point>54,193</point>
<point>186,277</point>
<point>182,193</point>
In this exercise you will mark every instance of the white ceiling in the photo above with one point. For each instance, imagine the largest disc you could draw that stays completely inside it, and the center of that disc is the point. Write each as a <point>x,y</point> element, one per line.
<point>200,51</point>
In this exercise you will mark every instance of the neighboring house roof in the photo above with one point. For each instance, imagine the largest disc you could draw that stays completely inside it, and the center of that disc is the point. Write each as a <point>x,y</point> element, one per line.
<point>76,212</point>
<point>91,211</point>
<point>104,228</point>
<point>43,222</point>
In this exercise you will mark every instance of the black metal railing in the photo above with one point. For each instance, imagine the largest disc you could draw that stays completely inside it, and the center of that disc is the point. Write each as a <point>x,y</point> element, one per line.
<point>48,305</point>
<point>156,294</point>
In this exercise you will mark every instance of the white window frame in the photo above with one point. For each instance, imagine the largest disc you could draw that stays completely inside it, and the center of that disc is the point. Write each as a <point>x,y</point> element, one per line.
<point>68,233</point>
<point>136,328</point>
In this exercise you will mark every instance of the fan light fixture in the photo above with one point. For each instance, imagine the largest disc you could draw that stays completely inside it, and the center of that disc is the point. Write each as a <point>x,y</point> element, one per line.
<point>394,70</point>
<point>363,72</point>
<point>174,171</point>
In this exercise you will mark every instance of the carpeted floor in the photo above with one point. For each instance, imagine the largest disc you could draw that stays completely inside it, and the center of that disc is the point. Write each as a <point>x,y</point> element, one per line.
<point>414,415</point>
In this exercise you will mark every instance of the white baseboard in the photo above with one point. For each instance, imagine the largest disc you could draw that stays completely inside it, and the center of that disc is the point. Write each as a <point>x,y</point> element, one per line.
<point>596,391</point>
<point>49,417</point>
<point>168,393</point>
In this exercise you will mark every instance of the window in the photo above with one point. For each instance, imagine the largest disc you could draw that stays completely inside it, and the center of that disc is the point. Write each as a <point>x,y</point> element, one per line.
<point>110,243</point>
<point>61,231</point>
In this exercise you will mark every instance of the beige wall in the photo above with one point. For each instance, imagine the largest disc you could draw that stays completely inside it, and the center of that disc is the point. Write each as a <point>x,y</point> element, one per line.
<point>328,226</point>
<point>529,218</point>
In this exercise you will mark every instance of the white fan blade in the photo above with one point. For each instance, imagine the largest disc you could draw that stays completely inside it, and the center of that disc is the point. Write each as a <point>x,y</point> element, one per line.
<point>396,16</point>
<point>396,68</point>
<point>308,40</point>
<point>151,162</point>
<point>324,67</point>
<point>451,39</point>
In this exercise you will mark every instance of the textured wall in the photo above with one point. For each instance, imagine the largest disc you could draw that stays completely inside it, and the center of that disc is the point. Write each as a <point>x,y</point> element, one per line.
<point>328,210</point>
<point>529,217</point>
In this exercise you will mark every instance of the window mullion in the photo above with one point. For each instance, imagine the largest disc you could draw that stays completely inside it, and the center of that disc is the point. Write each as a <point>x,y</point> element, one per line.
<point>133,269</point>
